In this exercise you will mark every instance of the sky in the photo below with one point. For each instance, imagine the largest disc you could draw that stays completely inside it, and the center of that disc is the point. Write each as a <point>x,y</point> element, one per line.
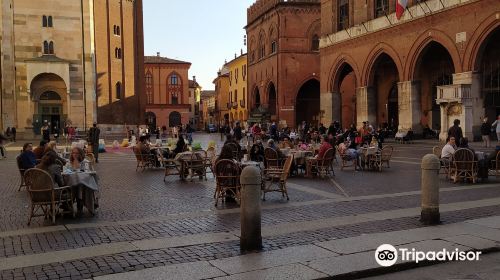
<point>203,32</point>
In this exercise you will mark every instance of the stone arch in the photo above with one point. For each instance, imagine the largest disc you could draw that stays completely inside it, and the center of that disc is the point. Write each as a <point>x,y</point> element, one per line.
<point>314,30</point>
<point>48,82</point>
<point>336,70</point>
<point>307,101</point>
<point>427,37</point>
<point>478,41</point>
<point>376,52</point>
<point>272,98</point>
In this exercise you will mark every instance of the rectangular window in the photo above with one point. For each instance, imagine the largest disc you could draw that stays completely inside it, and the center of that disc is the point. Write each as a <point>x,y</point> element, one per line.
<point>343,20</point>
<point>381,8</point>
<point>175,99</point>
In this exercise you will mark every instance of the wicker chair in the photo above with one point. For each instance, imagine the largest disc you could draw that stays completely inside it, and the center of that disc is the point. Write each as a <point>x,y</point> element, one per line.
<point>464,165</point>
<point>445,164</point>
<point>21,171</point>
<point>276,179</point>
<point>324,167</point>
<point>45,196</point>
<point>143,161</point>
<point>196,165</point>
<point>495,164</point>
<point>90,157</point>
<point>227,178</point>
<point>210,159</point>
<point>385,155</point>
<point>271,159</point>
<point>345,158</point>
<point>172,167</point>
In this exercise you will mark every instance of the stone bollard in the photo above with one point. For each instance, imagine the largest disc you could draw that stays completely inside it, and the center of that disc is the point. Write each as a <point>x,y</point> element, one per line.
<point>430,190</point>
<point>251,237</point>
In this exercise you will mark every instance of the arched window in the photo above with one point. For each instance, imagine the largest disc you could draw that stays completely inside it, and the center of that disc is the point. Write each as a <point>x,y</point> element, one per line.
<point>45,47</point>
<point>315,43</point>
<point>174,80</point>
<point>118,88</point>
<point>49,23</point>
<point>114,29</point>
<point>118,32</point>
<point>44,21</point>
<point>119,53</point>
<point>51,47</point>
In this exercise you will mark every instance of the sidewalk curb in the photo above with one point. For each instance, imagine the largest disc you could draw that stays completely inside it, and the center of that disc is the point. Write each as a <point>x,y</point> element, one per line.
<point>398,267</point>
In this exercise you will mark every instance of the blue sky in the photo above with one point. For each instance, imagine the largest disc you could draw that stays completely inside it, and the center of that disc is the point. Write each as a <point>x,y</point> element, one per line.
<point>202,32</point>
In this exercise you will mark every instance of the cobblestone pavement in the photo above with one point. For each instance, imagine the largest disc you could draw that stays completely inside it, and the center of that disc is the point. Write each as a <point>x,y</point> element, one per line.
<point>141,206</point>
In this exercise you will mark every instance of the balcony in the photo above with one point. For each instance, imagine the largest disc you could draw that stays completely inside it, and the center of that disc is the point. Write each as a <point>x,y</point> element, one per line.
<point>242,103</point>
<point>229,105</point>
<point>235,105</point>
<point>453,93</point>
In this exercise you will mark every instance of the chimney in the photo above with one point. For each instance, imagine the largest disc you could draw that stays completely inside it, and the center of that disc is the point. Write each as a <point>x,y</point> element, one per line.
<point>241,50</point>
<point>235,55</point>
<point>158,54</point>
<point>194,78</point>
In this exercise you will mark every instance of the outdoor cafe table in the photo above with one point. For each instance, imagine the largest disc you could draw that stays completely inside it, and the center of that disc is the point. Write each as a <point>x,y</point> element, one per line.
<point>84,187</point>
<point>368,154</point>
<point>183,158</point>
<point>299,156</point>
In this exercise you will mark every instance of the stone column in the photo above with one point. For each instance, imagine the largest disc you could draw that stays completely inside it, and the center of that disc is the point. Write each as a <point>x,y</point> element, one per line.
<point>409,106</point>
<point>326,106</point>
<point>443,134</point>
<point>474,110</point>
<point>366,106</point>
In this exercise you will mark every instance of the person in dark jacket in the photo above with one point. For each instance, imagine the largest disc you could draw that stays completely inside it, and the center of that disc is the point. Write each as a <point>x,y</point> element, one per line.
<point>485,132</point>
<point>27,157</point>
<point>456,131</point>
<point>93,140</point>
<point>40,150</point>
<point>237,132</point>
<point>13,131</point>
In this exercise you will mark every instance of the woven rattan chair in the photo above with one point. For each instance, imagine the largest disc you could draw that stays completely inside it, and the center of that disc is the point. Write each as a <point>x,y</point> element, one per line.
<point>45,196</point>
<point>91,159</point>
<point>21,172</point>
<point>172,167</point>
<point>495,166</point>
<point>345,159</point>
<point>227,178</point>
<point>271,159</point>
<point>464,166</point>
<point>143,161</point>
<point>276,179</point>
<point>324,167</point>
<point>210,159</point>
<point>445,163</point>
<point>385,155</point>
<point>235,151</point>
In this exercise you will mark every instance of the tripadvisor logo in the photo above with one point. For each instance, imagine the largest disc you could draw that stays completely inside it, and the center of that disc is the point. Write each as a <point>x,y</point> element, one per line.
<point>386,255</point>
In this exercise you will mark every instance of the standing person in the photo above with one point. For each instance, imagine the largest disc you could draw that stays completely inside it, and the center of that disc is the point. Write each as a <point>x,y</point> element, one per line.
<point>189,132</point>
<point>456,131</point>
<point>2,148</point>
<point>46,132</point>
<point>485,132</point>
<point>237,132</point>
<point>13,131</point>
<point>497,124</point>
<point>93,139</point>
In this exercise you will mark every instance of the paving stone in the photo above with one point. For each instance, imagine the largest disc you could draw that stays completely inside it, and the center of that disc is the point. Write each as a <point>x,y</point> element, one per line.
<point>291,271</point>
<point>475,242</point>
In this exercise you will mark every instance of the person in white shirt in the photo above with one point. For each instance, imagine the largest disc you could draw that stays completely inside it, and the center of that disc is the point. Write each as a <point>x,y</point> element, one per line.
<point>497,124</point>
<point>449,149</point>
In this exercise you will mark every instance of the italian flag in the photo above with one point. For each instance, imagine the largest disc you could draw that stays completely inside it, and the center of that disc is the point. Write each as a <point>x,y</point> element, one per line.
<point>400,7</point>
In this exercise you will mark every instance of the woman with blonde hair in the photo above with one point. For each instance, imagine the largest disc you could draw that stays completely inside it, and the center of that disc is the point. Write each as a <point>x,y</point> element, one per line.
<point>51,149</point>
<point>77,160</point>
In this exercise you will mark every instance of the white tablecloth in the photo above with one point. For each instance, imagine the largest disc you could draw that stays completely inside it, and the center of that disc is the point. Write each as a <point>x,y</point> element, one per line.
<point>85,188</point>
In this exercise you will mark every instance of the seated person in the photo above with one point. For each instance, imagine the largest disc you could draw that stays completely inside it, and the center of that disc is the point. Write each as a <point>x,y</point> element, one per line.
<point>28,158</point>
<point>257,152</point>
<point>51,149</point>
<point>448,150</point>
<point>77,160</point>
<point>302,146</point>
<point>38,151</point>
<point>230,139</point>
<point>272,145</point>
<point>293,135</point>
<point>179,146</point>
<point>226,153</point>
<point>325,146</point>
<point>49,164</point>
<point>286,144</point>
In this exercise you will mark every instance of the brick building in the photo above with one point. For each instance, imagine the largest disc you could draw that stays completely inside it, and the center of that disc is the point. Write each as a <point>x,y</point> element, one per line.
<point>70,62</point>
<point>439,62</point>
<point>283,61</point>
<point>167,91</point>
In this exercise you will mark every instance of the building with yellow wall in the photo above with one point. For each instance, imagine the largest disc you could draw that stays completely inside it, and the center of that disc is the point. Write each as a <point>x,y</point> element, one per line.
<point>238,89</point>
<point>222,106</point>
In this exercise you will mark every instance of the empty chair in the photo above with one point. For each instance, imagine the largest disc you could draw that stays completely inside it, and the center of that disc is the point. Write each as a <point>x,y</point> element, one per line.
<point>271,158</point>
<point>227,178</point>
<point>385,155</point>
<point>21,172</point>
<point>324,167</point>
<point>276,179</point>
